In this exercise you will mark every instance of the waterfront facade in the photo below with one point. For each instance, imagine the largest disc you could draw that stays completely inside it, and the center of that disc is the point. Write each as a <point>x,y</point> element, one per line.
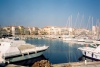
<point>48,30</point>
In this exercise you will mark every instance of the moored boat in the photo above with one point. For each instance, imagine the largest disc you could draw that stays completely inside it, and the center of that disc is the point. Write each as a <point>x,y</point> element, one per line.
<point>92,52</point>
<point>12,53</point>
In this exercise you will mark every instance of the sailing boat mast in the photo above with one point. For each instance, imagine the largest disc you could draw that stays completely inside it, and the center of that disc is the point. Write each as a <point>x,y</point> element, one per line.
<point>97,28</point>
<point>70,25</point>
<point>88,22</point>
<point>77,20</point>
<point>92,25</point>
<point>82,21</point>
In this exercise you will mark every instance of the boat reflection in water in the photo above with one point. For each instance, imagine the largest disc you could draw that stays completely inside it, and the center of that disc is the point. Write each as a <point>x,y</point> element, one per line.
<point>29,62</point>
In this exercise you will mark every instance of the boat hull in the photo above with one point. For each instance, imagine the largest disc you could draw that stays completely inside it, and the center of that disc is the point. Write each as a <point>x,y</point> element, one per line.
<point>24,56</point>
<point>91,55</point>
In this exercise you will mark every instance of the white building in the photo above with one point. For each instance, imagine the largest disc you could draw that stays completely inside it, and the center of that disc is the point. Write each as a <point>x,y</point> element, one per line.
<point>13,30</point>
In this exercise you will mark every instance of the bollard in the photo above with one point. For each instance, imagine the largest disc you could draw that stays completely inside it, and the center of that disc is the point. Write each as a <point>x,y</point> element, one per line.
<point>85,62</point>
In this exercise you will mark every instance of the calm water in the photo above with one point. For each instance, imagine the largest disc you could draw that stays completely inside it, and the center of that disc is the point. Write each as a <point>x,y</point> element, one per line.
<point>58,52</point>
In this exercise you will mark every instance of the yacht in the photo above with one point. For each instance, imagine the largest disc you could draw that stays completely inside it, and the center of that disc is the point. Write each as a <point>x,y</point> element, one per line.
<point>92,52</point>
<point>68,38</point>
<point>13,51</point>
<point>85,39</point>
<point>96,41</point>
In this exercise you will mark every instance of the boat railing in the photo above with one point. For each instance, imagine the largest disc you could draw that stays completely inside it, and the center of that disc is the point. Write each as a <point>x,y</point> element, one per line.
<point>12,53</point>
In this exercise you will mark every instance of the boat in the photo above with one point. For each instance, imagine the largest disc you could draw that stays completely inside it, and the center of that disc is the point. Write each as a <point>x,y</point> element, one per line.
<point>13,52</point>
<point>97,41</point>
<point>14,40</point>
<point>88,41</point>
<point>91,52</point>
<point>68,38</point>
<point>81,40</point>
<point>85,39</point>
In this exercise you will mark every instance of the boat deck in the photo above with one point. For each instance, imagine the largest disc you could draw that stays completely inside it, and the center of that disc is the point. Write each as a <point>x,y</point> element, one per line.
<point>24,47</point>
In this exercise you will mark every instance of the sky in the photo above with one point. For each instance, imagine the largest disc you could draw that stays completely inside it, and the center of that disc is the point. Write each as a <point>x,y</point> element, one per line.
<point>41,13</point>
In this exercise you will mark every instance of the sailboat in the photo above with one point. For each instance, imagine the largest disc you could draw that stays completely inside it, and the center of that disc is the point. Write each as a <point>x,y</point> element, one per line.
<point>97,41</point>
<point>69,37</point>
<point>86,39</point>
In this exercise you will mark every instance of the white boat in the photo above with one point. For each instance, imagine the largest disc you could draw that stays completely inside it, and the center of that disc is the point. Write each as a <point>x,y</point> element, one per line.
<point>68,38</point>
<point>88,41</point>
<point>96,41</point>
<point>12,53</point>
<point>92,52</point>
<point>81,40</point>
<point>85,39</point>
<point>14,40</point>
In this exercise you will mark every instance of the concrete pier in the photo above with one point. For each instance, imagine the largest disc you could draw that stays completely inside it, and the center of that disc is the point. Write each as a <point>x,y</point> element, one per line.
<point>13,65</point>
<point>78,64</point>
<point>71,64</point>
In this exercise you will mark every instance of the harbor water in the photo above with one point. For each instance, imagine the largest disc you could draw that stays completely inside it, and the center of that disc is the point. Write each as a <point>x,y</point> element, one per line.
<point>58,52</point>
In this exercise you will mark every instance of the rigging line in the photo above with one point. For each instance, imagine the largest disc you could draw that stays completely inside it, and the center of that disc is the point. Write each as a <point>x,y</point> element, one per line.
<point>67,22</point>
<point>77,19</point>
<point>82,20</point>
<point>92,21</point>
<point>88,22</point>
<point>97,27</point>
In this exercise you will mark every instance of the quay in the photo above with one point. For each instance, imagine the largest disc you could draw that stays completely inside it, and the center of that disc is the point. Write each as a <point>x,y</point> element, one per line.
<point>71,64</point>
<point>78,64</point>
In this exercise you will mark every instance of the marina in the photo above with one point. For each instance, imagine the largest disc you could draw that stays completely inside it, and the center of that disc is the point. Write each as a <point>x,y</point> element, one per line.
<point>49,33</point>
<point>59,51</point>
<point>65,51</point>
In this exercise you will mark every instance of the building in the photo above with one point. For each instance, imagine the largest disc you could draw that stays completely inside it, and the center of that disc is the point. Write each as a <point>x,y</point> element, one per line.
<point>52,30</point>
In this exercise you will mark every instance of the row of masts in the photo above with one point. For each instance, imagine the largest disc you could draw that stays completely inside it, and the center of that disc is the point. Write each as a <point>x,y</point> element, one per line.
<point>82,23</point>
